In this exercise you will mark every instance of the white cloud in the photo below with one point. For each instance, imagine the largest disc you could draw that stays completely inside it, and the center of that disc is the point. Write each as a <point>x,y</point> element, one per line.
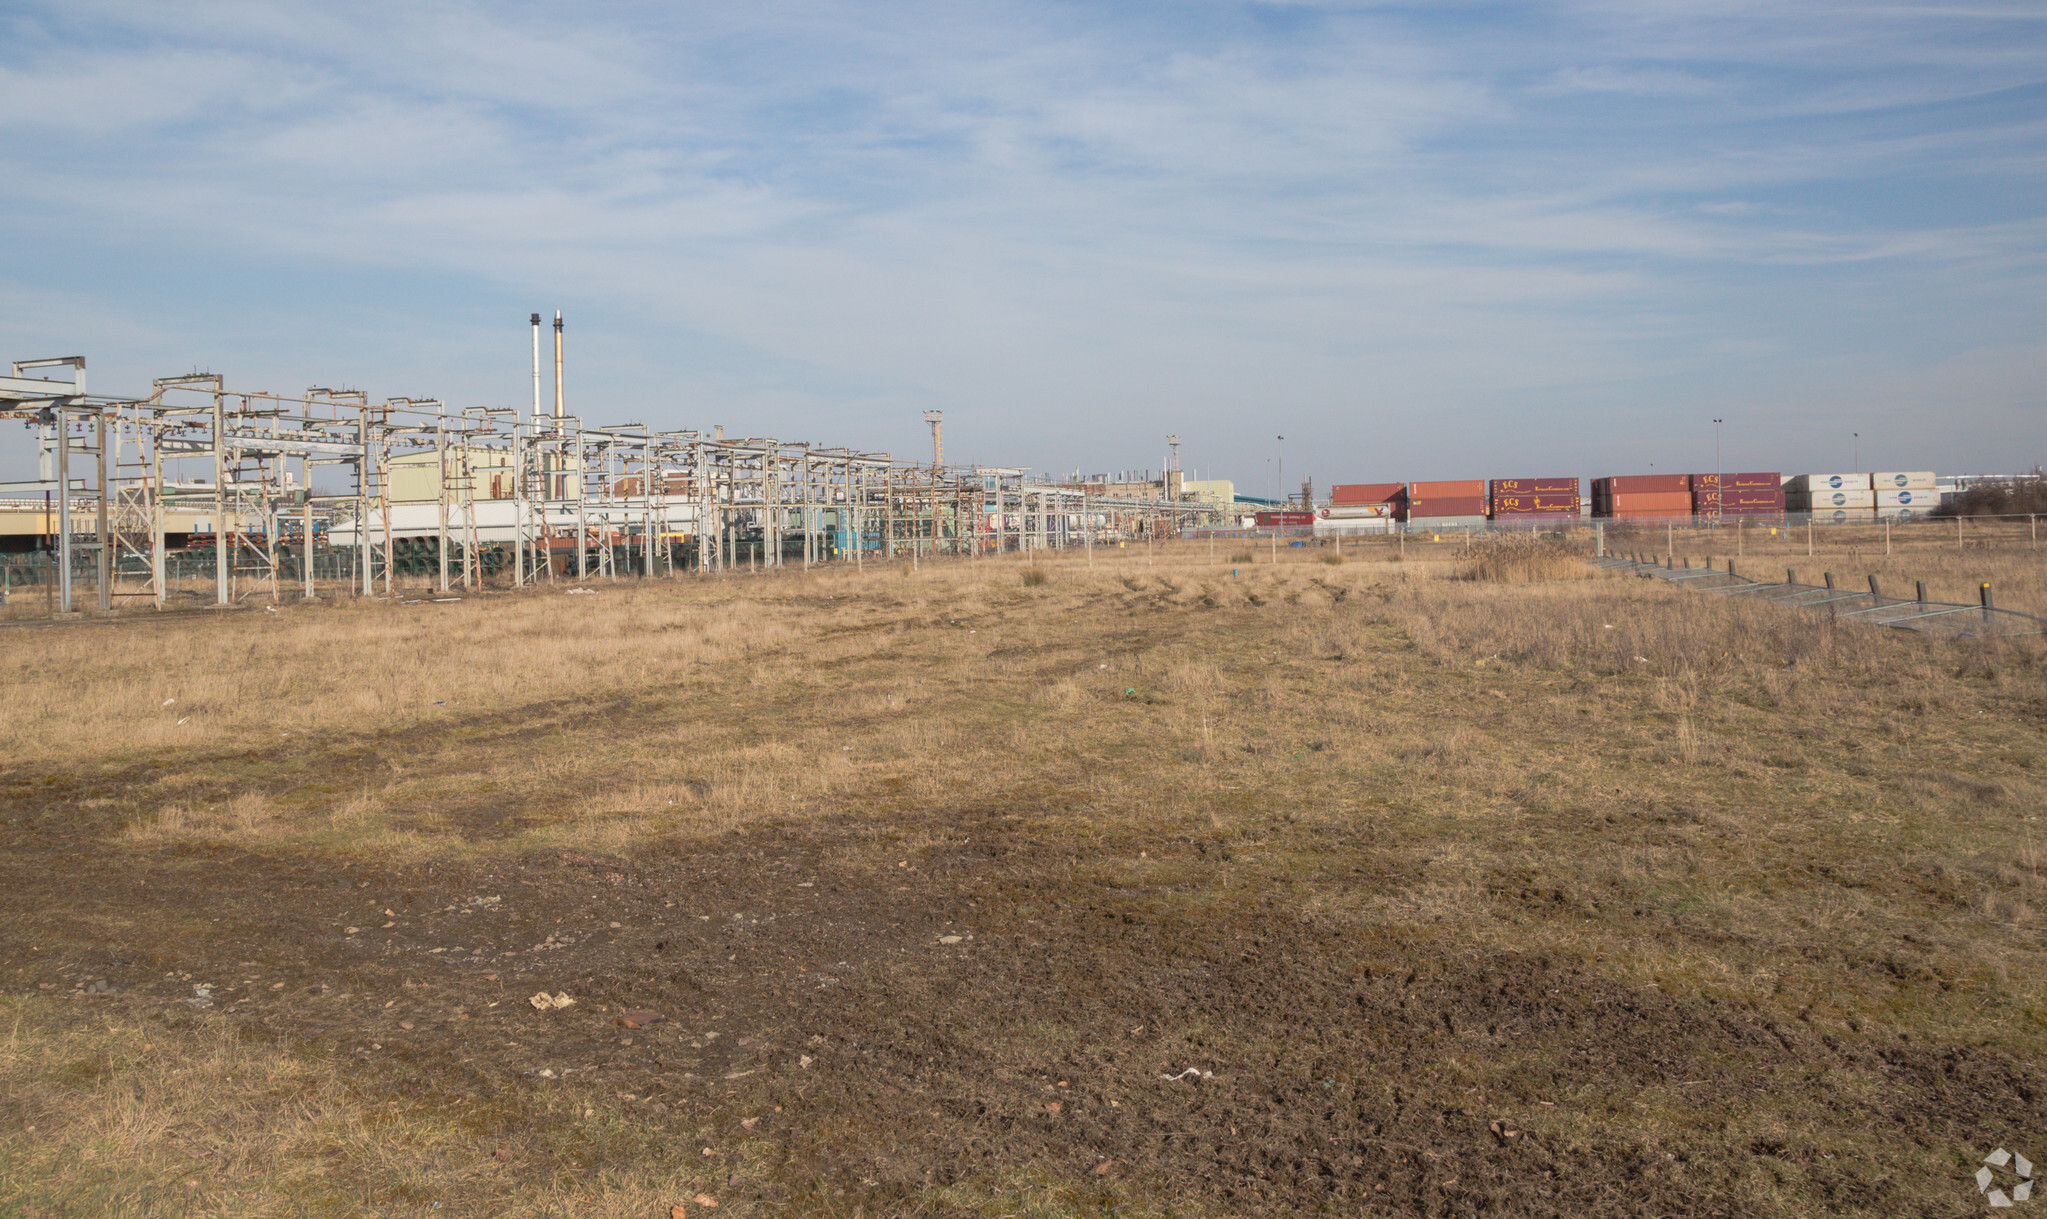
<point>1081,215</point>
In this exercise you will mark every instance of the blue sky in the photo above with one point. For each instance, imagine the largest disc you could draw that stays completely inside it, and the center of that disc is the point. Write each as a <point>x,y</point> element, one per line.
<point>1421,241</point>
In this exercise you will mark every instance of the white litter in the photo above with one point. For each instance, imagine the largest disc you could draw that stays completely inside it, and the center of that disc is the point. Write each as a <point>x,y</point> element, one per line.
<point>1196,1072</point>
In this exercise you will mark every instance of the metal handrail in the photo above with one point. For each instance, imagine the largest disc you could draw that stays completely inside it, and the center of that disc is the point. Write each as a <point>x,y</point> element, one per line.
<point>1996,620</point>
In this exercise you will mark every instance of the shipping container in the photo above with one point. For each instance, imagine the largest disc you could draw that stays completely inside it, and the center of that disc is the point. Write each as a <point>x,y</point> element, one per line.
<point>1547,505</point>
<point>1473,488</point>
<point>1844,516</point>
<point>1642,484</point>
<point>1903,480</point>
<point>1367,493</point>
<point>1828,482</point>
<point>1288,519</point>
<point>1647,514</point>
<point>1445,524</point>
<point>1645,501</point>
<point>1534,486</point>
<point>1748,500</point>
<point>1767,481</point>
<point>1352,526</point>
<point>1462,505</point>
<point>1915,513</point>
<point>1915,498</point>
<point>1818,500</point>
<point>1348,512</point>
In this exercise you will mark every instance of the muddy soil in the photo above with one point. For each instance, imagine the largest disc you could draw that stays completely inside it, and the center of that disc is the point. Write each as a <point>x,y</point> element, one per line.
<point>887,1018</point>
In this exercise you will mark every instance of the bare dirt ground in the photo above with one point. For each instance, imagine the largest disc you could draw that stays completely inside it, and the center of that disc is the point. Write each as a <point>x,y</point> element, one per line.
<point>1313,888</point>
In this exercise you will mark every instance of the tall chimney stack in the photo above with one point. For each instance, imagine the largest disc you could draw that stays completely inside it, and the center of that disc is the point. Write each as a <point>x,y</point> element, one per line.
<point>558,412</point>
<point>536,368</point>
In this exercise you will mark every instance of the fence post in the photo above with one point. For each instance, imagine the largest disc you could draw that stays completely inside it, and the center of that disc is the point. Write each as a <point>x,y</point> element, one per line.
<point>1922,592</point>
<point>1874,591</point>
<point>1790,575</point>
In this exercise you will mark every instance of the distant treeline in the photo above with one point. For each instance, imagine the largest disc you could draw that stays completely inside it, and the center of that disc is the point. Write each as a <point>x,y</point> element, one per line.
<point>2023,496</point>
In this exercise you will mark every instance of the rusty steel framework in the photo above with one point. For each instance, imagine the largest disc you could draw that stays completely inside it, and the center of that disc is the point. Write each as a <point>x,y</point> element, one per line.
<point>561,499</point>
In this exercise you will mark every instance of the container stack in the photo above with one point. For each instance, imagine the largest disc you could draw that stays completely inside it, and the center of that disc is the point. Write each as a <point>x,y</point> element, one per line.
<point>1532,500</point>
<point>1363,500</point>
<point>1840,498</point>
<point>1723,495</point>
<point>1904,495</point>
<point>1643,496</point>
<point>1446,505</point>
<point>1360,508</point>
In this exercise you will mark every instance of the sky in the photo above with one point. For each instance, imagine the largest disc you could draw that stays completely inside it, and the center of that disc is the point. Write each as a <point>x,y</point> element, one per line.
<point>1418,241</point>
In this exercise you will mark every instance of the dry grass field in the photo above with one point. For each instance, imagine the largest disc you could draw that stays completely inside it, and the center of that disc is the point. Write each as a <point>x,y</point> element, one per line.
<point>1433,883</point>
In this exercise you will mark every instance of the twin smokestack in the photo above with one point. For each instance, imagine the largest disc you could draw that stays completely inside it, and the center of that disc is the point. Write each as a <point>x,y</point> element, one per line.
<point>537,416</point>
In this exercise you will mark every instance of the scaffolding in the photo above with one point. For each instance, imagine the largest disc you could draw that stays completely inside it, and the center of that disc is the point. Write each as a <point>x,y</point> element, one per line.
<point>264,494</point>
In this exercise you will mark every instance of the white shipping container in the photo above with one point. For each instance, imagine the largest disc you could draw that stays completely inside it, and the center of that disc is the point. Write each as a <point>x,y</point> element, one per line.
<point>1819,501</point>
<point>1844,516</point>
<point>1917,512</point>
<point>1904,480</point>
<point>1925,497</point>
<point>1444,524</point>
<point>1352,526</point>
<point>1341,512</point>
<point>1828,482</point>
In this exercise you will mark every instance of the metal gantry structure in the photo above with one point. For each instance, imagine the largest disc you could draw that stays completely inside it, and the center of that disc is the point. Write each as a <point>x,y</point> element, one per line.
<point>263,495</point>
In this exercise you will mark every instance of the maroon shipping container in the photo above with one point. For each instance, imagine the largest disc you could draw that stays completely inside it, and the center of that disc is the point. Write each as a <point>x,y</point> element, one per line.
<point>1760,481</point>
<point>1644,484</point>
<point>1267,520</point>
<point>1367,493</point>
<point>1542,505</point>
<point>1534,486</point>
<point>1459,505</point>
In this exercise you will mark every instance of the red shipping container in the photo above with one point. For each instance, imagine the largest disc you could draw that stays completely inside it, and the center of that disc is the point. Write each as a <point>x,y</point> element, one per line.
<point>1473,487</point>
<point>1651,484</point>
<point>1266,520</point>
<point>1367,493</point>
<point>1534,486</point>
<point>1659,499</point>
<point>1461,505</point>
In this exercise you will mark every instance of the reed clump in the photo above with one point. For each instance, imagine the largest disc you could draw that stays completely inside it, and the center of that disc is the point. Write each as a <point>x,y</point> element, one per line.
<point>1523,560</point>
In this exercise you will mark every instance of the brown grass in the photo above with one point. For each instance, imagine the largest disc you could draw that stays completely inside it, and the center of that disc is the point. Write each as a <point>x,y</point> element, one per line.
<point>1731,802</point>
<point>1523,559</point>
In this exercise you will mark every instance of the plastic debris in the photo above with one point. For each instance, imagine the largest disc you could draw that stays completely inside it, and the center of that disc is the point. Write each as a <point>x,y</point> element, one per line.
<point>638,1020</point>
<point>545,1002</point>
<point>1195,1072</point>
